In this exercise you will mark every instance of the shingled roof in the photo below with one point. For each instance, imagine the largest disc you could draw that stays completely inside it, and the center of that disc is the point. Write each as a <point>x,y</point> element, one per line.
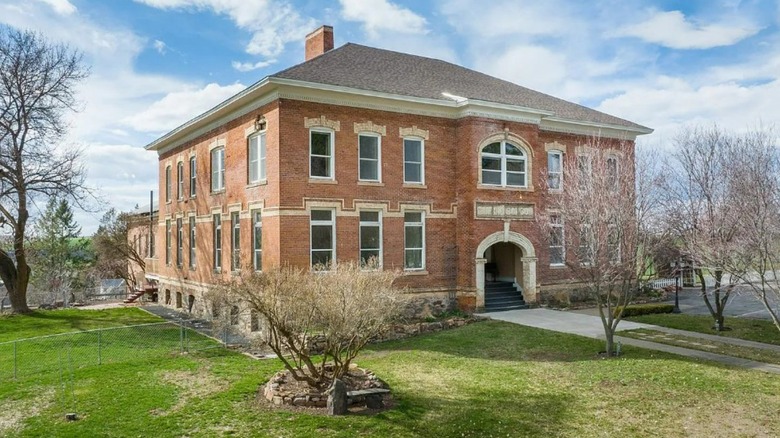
<point>371,69</point>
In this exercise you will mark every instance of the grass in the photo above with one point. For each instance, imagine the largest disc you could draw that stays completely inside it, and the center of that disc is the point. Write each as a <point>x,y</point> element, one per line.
<point>757,354</point>
<point>40,323</point>
<point>757,330</point>
<point>484,379</point>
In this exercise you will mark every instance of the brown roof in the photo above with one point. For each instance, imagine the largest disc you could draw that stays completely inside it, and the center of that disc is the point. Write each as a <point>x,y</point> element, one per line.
<point>371,69</point>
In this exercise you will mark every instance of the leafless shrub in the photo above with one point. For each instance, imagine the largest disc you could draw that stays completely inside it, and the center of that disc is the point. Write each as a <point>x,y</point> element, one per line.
<point>346,306</point>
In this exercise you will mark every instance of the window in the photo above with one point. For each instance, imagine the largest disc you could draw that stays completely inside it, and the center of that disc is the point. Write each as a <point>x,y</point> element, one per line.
<point>180,180</point>
<point>217,242</point>
<point>369,157</point>
<point>178,300</point>
<point>254,321</point>
<point>613,243</point>
<point>234,315</point>
<point>151,243</point>
<point>218,169</point>
<point>257,158</point>
<point>167,296</point>
<point>584,169</point>
<point>555,170</point>
<point>235,241</point>
<point>612,172</point>
<point>557,245</point>
<point>587,244</point>
<point>193,176</point>
<point>414,171</point>
<point>321,154</point>
<point>414,240</point>
<point>167,183</point>
<point>323,238</point>
<point>370,238</point>
<point>257,240</point>
<point>167,241</point>
<point>503,164</point>
<point>179,243</point>
<point>192,242</point>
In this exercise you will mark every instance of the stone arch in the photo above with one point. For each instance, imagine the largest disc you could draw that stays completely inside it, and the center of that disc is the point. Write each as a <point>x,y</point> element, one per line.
<point>528,261</point>
<point>516,140</point>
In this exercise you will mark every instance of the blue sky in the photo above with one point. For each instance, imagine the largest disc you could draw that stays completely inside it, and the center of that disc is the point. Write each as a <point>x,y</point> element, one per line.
<point>157,63</point>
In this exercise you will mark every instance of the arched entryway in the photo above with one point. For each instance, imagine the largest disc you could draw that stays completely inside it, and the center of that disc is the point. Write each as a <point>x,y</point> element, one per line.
<point>510,257</point>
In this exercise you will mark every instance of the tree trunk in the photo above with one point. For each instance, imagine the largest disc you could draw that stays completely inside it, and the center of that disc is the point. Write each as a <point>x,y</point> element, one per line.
<point>10,275</point>
<point>610,335</point>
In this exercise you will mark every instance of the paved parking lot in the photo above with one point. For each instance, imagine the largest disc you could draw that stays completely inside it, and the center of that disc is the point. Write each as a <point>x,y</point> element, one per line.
<point>741,304</point>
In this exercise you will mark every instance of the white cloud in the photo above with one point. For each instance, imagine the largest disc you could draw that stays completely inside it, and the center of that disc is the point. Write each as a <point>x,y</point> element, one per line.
<point>500,18</point>
<point>382,15</point>
<point>535,67</point>
<point>273,23</point>
<point>160,46</point>
<point>249,66</point>
<point>672,29</point>
<point>62,7</point>
<point>179,106</point>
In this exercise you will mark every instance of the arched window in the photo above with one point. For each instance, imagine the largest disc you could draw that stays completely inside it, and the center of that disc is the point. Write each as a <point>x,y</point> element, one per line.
<point>503,164</point>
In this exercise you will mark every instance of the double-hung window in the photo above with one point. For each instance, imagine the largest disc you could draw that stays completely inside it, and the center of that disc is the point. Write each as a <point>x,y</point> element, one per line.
<point>256,158</point>
<point>587,246</point>
<point>414,240</point>
<point>323,238</point>
<point>217,218</point>
<point>503,164</point>
<point>612,172</point>
<point>168,183</point>
<point>218,169</point>
<point>193,176</point>
<point>180,180</point>
<point>168,241</point>
<point>321,154</point>
<point>555,170</point>
<point>369,157</point>
<point>557,245</point>
<point>235,241</point>
<point>371,239</point>
<point>257,240</point>
<point>584,170</point>
<point>192,242</point>
<point>179,242</point>
<point>414,169</point>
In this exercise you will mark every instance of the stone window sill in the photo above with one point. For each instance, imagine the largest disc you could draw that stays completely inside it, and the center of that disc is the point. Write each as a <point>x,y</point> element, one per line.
<point>508,189</point>
<point>262,182</point>
<point>322,181</point>
<point>414,186</point>
<point>371,183</point>
<point>416,272</point>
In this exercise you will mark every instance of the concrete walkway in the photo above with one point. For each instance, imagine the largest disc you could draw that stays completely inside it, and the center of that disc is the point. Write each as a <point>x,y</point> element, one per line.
<point>591,326</point>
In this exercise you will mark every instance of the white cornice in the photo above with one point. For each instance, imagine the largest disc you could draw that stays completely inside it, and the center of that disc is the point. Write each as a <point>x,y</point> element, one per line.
<point>270,89</point>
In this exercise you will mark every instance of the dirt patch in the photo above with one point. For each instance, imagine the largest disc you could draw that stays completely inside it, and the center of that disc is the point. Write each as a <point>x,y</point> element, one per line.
<point>739,421</point>
<point>191,384</point>
<point>14,412</point>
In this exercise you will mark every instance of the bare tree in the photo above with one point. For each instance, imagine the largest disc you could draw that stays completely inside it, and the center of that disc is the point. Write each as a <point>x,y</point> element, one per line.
<point>114,251</point>
<point>702,211</point>
<point>604,211</point>
<point>345,307</point>
<point>37,80</point>
<point>755,257</point>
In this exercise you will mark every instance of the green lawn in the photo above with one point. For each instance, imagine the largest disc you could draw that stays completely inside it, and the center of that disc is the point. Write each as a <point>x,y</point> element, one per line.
<point>485,379</point>
<point>41,323</point>
<point>742,328</point>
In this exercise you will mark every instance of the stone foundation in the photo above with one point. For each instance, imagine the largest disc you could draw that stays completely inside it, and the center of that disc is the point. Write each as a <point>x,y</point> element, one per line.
<point>283,390</point>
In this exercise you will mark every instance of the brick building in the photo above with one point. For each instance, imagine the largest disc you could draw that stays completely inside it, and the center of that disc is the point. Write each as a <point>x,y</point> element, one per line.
<point>432,168</point>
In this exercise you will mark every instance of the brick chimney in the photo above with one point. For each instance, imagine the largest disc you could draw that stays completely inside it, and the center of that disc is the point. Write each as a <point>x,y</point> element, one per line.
<point>319,42</point>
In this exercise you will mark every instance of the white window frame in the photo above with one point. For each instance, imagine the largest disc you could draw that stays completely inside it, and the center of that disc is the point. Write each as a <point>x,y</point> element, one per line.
<point>378,157</point>
<point>235,241</point>
<point>319,222</point>
<point>259,164</point>
<point>558,173</point>
<point>558,225</point>
<point>332,157</point>
<point>588,244</point>
<point>180,180</point>
<point>377,224</point>
<point>216,220</point>
<point>193,249</point>
<point>421,163</point>
<point>218,177</point>
<point>168,183</point>
<point>193,177</point>
<point>504,157</point>
<point>179,242</point>
<point>168,238</point>
<point>257,227</point>
<point>406,246</point>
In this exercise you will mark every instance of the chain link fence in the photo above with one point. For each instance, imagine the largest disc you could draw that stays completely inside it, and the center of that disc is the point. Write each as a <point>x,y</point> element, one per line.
<point>52,354</point>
